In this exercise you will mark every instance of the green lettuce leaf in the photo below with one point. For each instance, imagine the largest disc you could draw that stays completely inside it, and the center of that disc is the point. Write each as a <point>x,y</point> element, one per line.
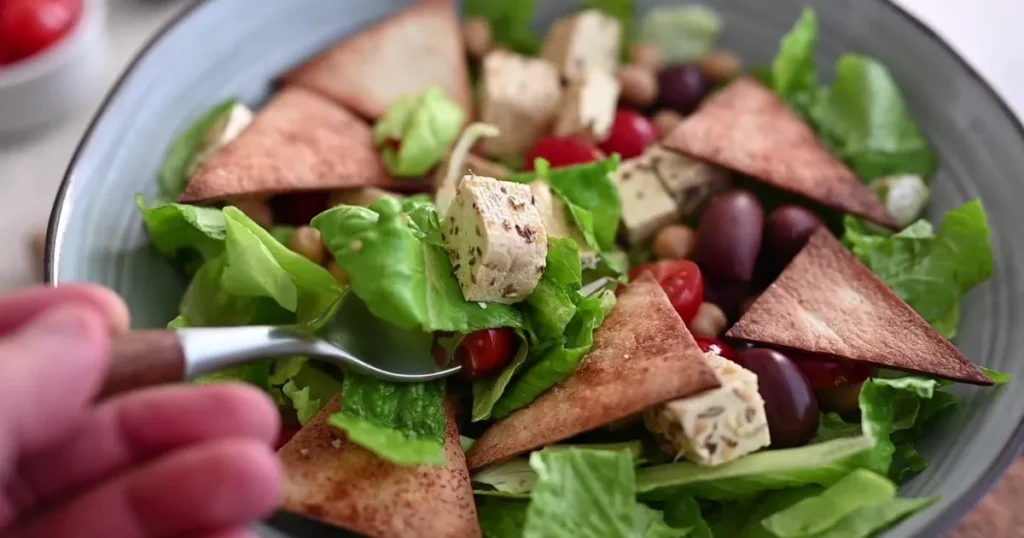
<point>282,233</point>
<point>307,386</point>
<point>552,305</point>
<point>742,519</point>
<point>867,521</point>
<point>174,228</point>
<point>510,21</point>
<point>996,376</point>
<point>794,74</point>
<point>683,512</point>
<point>487,390</point>
<point>813,515</point>
<point>684,33</point>
<point>416,132</point>
<point>399,271</point>
<point>931,271</point>
<point>864,117</point>
<point>553,363</point>
<point>184,157</point>
<point>402,423</point>
<point>501,518</point>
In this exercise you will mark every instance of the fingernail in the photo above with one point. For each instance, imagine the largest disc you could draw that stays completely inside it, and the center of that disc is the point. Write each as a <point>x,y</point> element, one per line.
<point>68,324</point>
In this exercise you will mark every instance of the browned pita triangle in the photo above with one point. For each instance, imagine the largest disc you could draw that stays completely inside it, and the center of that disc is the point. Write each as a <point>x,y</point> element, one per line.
<point>643,355</point>
<point>827,302</point>
<point>329,479</point>
<point>747,128</point>
<point>408,53</point>
<point>298,142</point>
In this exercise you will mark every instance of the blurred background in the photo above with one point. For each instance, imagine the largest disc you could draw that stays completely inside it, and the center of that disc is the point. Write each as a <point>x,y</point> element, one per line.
<point>47,96</point>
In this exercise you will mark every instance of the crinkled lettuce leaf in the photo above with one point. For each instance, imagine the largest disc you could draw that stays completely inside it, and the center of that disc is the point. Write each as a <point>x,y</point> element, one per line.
<point>307,386</point>
<point>816,514</point>
<point>931,271</point>
<point>416,132</point>
<point>176,229</point>
<point>501,518</point>
<point>403,423</point>
<point>793,73</point>
<point>552,305</point>
<point>184,156</point>
<point>684,33</point>
<point>510,22</point>
<point>401,273</point>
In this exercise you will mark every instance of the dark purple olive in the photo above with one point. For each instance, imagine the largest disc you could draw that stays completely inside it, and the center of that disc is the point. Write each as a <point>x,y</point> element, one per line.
<point>729,236</point>
<point>682,87</point>
<point>786,231</point>
<point>790,404</point>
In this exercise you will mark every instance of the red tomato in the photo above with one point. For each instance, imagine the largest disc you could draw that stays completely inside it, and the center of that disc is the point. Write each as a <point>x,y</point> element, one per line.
<point>562,151</point>
<point>30,26</point>
<point>631,134</point>
<point>826,373</point>
<point>682,282</point>
<point>717,347</point>
<point>485,352</point>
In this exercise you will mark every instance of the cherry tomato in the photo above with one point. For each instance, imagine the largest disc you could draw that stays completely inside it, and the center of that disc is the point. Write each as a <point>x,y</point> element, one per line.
<point>562,151</point>
<point>631,134</point>
<point>717,347</point>
<point>682,282</point>
<point>287,432</point>
<point>826,373</point>
<point>485,352</point>
<point>30,26</point>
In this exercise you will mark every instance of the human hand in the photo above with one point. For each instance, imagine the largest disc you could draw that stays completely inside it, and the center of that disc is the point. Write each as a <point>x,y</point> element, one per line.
<point>170,461</point>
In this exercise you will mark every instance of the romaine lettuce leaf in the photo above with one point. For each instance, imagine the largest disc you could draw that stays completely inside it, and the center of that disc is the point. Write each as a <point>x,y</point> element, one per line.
<point>402,423</point>
<point>552,305</point>
<point>816,514</point>
<point>174,228</point>
<point>183,158</point>
<point>416,132</point>
<point>307,386</point>
<point>683,33</point>
<point>683,512</point>
<point>487,390</point>
<point>868,520</point>
<point>931,271</point>
<point>399,271</point>
<point>510,21</point>
<point>742,519</point>
<point>501,518</point>
<point>794,74</point>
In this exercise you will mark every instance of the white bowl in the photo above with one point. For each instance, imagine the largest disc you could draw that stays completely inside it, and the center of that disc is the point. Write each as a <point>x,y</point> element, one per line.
<point>49,85</point>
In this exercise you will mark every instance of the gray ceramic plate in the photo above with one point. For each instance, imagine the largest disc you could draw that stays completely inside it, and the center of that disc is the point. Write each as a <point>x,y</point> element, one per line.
<point>222,48</point>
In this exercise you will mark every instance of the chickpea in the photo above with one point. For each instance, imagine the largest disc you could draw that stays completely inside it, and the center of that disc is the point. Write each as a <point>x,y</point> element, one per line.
<point>665,121</point>
<point>675,242</point>
<point>721,66</point>
<point>307,242</point>
<point>338,273</point>
<point>647,55</point>
<point>639,85</point>
<point>478,36</point>
<point>256,209</point>
<point>709,322</point>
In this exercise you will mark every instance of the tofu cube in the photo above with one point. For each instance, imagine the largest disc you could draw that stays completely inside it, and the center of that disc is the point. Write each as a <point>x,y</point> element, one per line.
<point>521,97</point>
<point>646,204</point>
<point>588,108</point>
<point>496,240</point>
<point>473,165</point>
<point>690,182</point>
<point>715,426</point>
<point>587,39</point>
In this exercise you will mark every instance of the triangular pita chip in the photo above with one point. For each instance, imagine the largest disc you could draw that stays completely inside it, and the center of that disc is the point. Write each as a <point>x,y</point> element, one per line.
<point>337,482</point>
<point>827,302</point>
<point>408,53</point>
<point>298,142</point>
<point>747,128</point>
<point>643,355</point>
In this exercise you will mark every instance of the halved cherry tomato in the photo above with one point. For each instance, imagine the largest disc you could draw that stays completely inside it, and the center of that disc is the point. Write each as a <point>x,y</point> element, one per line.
<point>30,26</point>
<point>826,373</point>
<point>682,282</point>
<point>562,151</point>
<point>631,134</point>
<point>485,352</point>
<point>717,347</point>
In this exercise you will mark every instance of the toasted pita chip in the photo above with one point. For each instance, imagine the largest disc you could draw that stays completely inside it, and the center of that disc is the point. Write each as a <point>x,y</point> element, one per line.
<point>747,128</point>
<point>827,302</point>
<point>408,53</point>
<point>298,142</point>
<point>643,355</point>
<point>337,482</point>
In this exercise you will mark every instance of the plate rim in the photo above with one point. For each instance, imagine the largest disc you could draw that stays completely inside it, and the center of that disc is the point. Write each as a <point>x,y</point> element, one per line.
<point>941,523</point>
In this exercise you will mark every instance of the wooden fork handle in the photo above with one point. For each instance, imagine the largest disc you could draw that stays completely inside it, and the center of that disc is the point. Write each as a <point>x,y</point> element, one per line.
<point>143,359</point>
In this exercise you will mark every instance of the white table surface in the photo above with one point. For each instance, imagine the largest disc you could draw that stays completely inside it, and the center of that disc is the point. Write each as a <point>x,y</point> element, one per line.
<point>988,34</point>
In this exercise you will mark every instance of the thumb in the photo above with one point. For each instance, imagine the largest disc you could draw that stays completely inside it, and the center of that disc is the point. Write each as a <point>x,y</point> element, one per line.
<point>51,369</point>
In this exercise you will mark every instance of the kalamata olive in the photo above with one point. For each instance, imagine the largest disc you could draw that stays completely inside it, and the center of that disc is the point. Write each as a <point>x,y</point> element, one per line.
<point>790,404</point>
<point>682,87</point>
<point>729,236</point>
<point>786,231</point>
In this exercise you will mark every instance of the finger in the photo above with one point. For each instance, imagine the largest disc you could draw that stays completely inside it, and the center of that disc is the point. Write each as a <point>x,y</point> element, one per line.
<point>223,484</point>
<point>52,367</point>
<point>19,307</point>
<point>140,426</point>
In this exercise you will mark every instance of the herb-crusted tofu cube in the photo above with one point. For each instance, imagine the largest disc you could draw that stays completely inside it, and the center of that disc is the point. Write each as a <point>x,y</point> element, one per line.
<point>646,205</point>
<point>587,39</point>
<point>716,426</point>
<point>496,240</point>
<point>446,182</point>
<point>691,183</point>
<point>521,97</point>
<point>588,109</point>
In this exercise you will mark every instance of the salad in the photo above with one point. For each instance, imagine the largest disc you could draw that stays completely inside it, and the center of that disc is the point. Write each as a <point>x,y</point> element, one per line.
<point>773,338</point>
